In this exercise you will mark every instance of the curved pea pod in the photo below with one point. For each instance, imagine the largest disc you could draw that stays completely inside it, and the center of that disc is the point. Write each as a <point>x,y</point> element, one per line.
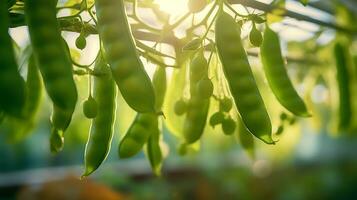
<point>127,69</point>
<point>12,85</point>
<point>137,135</point>
<point>240,78</point>
<point>153,151</point>
<point>34,89</point>
<point>343,81</point>
<point>144,124</point>
<point>101,130</point>
<point>18,128</point>
<point>50,52</point>
<point>197,108</point>
<point>277,76</point>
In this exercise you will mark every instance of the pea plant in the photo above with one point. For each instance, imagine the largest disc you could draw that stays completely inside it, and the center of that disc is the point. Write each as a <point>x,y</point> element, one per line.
<point>205,78</point>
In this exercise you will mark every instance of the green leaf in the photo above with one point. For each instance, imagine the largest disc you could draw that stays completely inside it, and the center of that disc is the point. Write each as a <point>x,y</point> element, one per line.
<point>192,45</point>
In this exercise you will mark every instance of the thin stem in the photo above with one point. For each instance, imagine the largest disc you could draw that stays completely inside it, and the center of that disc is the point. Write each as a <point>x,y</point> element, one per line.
<point>154,60</point>
<point>210,25</point>
<point>204,20</point>
<point>233,10</point>
<point>136,17</point>
<point>179,21</point>
<point>152,50</point>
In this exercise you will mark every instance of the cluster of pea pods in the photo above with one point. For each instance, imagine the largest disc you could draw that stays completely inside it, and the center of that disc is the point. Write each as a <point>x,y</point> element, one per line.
<point>119,66</point>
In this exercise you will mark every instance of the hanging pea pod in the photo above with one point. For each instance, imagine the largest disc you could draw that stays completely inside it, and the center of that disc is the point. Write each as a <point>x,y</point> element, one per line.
<point>137,135</point>
<point>240,78</point>
<point>127,69</point>
<point>101,130</point>
<point>342,75</point>
<point>12,85</point>
<point>54,63</point>
<point>34,89</point>
<point>18,128</point>
<point>197,108</point>
<point>153,149</point>
<point>50,53</point>
<point>144,124</point>
<point>277,76</point>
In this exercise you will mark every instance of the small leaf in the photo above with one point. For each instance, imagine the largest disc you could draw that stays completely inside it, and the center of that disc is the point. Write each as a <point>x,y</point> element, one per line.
<point>192,45</point>
<point>256,18</point>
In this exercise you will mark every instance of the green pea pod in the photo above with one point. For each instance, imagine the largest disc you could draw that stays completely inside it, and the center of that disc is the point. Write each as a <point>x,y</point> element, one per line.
<point>18,128</point>
<point>127,69</point>
<point>50,52</point>
<point>277,76</point>
<point>153,152</point>
<point>197,108</point>
<point>12,85</point>
<point>240,78</point>
<point>101,130</point>
<point>144,124</point>
<point>34,89</point>
<point>343,79</point>
<point>137,135</point>
<point>153,149</point>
